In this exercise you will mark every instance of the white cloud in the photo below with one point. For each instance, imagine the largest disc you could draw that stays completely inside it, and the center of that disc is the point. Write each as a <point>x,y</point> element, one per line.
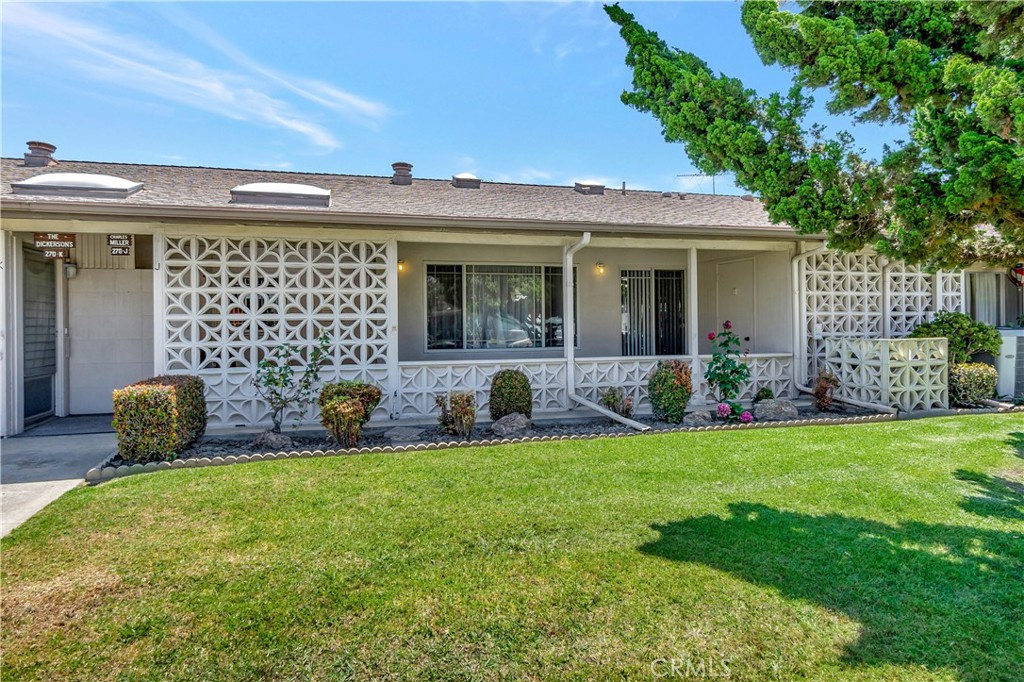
<point>128,62</point>
<point>524,175</point>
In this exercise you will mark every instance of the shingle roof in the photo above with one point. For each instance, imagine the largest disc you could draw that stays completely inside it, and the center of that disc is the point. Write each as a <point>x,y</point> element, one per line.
<point>184,186</point>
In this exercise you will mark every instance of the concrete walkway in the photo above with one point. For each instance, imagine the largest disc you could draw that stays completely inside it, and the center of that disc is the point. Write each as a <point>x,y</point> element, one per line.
<point>36,470</point>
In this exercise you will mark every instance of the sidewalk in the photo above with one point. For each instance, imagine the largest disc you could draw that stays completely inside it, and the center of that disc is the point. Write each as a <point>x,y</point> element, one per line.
<point>36,470</point>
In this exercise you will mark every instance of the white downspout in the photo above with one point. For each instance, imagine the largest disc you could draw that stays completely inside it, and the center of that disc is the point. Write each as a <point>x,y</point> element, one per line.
<point>569,313</point>
<point>569,337</point>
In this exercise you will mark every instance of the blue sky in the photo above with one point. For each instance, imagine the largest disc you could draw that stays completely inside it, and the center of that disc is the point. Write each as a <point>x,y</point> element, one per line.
<point>524,92</point>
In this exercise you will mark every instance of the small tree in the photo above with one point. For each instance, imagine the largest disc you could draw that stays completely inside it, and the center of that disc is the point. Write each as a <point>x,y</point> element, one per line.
<point>726,372</point>
<point>965,336</point>
<point>275,378</point>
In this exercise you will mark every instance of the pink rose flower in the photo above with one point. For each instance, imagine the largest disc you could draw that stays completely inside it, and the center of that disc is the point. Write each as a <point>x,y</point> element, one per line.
<point>727,325</point>
<point>711,336</point>
<point>724,410</point>
<point>746,417</point>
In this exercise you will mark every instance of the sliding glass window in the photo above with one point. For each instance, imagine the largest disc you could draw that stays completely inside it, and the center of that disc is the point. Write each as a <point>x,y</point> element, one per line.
<point>476,307</point>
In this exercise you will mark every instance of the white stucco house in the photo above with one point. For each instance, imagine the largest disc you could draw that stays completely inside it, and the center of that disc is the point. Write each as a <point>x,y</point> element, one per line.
<point>426,286</point>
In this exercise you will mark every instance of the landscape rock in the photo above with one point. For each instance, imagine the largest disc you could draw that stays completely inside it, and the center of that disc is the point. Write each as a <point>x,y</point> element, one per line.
<point>268,441</point>
<point>404,434</point>
<point>698,418</point>
<point>514,424</point>
<point>775,410</point>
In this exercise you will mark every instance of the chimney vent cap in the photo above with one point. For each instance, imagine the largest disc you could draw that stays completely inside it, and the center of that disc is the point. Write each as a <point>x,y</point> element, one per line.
<point>40,153</point>
<point>403,173</point>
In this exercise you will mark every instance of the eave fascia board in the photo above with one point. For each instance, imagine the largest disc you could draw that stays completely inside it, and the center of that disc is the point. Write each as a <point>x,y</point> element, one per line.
<point>236,214</point>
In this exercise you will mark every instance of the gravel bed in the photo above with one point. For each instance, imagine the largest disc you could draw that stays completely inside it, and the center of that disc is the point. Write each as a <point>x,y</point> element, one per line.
<point>220,446</point>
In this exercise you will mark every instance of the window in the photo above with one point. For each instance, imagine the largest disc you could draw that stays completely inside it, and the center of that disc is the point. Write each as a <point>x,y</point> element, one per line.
<point>985,304</point>
<point>652,312</point>
<point>494,306</point>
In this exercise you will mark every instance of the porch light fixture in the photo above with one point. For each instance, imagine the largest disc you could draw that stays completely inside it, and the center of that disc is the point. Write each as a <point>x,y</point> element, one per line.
<point>600,268</point>
<point>401,265</point>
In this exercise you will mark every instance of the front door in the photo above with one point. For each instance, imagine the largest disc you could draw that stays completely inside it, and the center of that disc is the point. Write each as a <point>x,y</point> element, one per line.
<point>39,322</point>
<point>736,299</point>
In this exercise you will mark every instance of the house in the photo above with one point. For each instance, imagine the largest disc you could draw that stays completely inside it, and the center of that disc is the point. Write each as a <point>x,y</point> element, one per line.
<point>115,272</point>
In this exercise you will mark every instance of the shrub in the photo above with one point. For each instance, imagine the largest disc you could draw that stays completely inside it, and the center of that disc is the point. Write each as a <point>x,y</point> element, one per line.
<point>457,412</point>
<point>275,378</point>
<point>764,393</point>
<point>972,382</point>
<point>965,337</point>
<point>618,402</point>
<point>726,372</point>
<point>157,418</point>
<point>343,418</point>
<point>510,393</point>
<point>824,390</point>
<point>669,388</point>
<point>368,394</point>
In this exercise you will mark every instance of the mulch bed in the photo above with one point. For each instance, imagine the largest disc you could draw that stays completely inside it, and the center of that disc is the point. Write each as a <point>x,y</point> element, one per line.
<point>222,446</point>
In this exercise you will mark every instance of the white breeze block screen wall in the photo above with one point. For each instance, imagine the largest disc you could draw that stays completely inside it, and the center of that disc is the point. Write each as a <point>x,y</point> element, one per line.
<point>908,374</point>
<point>861,295</point>
<point>227,301</point>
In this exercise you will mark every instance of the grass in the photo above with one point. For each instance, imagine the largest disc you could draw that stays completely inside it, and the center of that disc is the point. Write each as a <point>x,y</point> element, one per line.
<point>864,552</point>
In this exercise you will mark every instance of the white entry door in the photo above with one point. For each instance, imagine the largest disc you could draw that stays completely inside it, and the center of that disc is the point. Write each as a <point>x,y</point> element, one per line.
<point>736,300</point>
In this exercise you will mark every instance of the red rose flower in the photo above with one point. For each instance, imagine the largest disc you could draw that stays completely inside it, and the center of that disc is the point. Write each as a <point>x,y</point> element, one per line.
<point>711,336</point>
<point>727,325</point>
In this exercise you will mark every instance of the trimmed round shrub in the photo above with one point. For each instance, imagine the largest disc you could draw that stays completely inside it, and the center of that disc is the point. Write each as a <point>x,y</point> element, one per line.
<point>343,418</point>
<point>510,393</point>
<point>764,393</point>
<point>669,388</point>
<point>368,394</point>
<point>965,337</point>
<point>971,382</point>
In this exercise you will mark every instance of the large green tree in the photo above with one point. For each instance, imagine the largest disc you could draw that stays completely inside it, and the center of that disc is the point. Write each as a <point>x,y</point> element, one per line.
<point>953,71</point>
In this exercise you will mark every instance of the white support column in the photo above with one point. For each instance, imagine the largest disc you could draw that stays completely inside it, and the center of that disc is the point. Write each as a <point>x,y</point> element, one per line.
<point>692,322</point>
<point>391,294</point>
<point>159,307</point>
<point>8,368</point>
<point>886,299</point>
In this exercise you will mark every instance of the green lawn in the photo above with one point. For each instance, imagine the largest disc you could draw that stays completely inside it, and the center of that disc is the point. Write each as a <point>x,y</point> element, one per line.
<point>868,552</point>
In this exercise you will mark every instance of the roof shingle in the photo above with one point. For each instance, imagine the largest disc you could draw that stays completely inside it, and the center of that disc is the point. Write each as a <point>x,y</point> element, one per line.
<point>188,186</point>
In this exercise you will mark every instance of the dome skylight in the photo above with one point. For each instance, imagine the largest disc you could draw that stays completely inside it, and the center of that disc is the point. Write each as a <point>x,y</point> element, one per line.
<point>78,184</point>
<point>280,193</point>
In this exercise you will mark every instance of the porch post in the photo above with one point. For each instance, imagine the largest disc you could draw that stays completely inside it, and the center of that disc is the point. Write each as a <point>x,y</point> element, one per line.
<point>159,307</point>
<point>692,331</point>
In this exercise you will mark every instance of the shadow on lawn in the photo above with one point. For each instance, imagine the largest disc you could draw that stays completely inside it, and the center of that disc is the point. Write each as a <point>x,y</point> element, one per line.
<point>1016,440</point>
<point>996,496</point>
<point>925,594</point>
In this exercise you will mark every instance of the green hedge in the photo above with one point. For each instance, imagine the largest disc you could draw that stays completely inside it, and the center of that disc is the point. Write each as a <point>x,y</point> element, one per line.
<point>971,382</point>
<point>368,394</point>
<point>158,418</point>
<point>669,388</point>
<point>510,393</point>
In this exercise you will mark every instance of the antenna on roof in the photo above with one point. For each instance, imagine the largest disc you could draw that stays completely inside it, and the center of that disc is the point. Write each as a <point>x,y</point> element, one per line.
<point>700,175</point>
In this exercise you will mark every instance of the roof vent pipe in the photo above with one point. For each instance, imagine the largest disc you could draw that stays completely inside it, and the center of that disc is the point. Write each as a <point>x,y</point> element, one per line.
<point>466,181</point>
<point>40,154</point>
<point>403,173</point>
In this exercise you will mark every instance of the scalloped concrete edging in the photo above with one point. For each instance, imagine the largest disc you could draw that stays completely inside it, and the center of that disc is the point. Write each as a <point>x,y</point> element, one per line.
<point>105,472</point>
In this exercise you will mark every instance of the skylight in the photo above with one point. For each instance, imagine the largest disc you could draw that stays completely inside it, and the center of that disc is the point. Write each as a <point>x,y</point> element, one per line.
<point>466,181</point>
<point>78,185</point>
<point>281,194</point>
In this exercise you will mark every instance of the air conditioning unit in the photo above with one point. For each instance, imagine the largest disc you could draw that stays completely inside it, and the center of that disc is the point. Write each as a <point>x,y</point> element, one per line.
<point>1010,363</point>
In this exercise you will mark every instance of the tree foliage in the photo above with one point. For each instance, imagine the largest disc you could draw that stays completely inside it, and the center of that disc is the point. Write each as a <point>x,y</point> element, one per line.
<point>953,71</point>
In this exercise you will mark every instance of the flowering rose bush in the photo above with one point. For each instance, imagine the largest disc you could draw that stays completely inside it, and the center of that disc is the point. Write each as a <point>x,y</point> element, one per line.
<point>726,372</point>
